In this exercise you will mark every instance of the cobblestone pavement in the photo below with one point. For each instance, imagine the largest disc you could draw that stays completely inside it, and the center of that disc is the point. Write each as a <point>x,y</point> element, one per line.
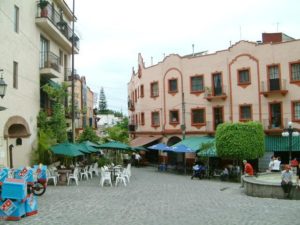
<point>159,198</point>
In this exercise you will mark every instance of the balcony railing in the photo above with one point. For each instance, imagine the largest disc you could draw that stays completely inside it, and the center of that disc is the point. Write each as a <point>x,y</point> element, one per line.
<point>49,60</point>
<point>56,19</point>
<point>269,124</point>
<point>219,93</point>
<point>274,86</point>
<point>131,105</point>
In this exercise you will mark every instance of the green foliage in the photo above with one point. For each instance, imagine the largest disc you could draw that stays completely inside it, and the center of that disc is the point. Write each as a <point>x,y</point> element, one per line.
<point>56,94</point>
<point>42,154</point>
<point>103,161</point>
<point>58,123</point>
<point>88,135</point>
<point>119,132</point>
<point>102,102</point>
<point>240,140</point>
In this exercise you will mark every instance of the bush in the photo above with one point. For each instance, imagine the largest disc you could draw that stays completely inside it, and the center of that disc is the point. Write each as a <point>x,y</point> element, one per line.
<point>240,140</point>
<point>103,161</point>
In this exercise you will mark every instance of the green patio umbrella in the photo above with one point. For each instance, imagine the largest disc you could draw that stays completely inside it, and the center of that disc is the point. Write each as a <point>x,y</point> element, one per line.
<point>92,144</point>
<point>86,147</point>
<point>115,145</point>
<point>139,148</point>
<point>66,149</point>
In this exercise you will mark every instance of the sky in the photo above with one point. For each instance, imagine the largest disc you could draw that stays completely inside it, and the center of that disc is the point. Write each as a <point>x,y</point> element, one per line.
<point>112,34</point>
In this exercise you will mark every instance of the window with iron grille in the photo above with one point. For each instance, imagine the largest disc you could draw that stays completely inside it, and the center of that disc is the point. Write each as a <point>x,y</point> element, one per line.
<point>173,85</point>
<point>244,76</point>
<point>198,116</point>
<point>197,84</point>
<point>154,89</point>
<point>155,119</point>
<point>245,112</point>
<point>174,116</point>
<point>295,70</point>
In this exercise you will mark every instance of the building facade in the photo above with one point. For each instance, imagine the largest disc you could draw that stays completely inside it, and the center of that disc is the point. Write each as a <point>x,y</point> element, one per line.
<point>191,95</point>
<point>36,48</point>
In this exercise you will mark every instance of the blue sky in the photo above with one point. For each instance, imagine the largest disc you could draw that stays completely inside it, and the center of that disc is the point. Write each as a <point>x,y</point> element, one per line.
<point>114,32</point>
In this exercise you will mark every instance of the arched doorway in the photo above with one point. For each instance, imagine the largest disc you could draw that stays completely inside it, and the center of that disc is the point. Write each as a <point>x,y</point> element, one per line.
<point>16,127</point>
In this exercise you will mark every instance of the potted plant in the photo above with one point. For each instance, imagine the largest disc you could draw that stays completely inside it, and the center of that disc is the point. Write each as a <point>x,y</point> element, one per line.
<point>44,10</point>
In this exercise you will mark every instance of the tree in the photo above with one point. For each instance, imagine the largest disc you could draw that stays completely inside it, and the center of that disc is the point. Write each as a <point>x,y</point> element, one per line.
<point>119,132</point>
<point>102,102</point>
<point>240,140</point>
<point>88,135</point>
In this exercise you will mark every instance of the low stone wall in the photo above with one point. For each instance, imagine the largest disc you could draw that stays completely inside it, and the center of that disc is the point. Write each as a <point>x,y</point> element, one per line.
<point>267,189</point>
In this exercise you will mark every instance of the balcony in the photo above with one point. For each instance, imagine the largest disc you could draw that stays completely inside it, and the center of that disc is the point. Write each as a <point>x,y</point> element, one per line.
<point>49,65</point>
<point>132,127</point>
<point>52,23</point>
<point>273,126</point>
<point>131,105</point>
<point>219,93</point>
<point>273,87</point>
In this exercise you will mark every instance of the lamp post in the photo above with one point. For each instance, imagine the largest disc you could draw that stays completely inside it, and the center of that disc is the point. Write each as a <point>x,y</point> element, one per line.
<point>3,85</point>
<point>290,132</point>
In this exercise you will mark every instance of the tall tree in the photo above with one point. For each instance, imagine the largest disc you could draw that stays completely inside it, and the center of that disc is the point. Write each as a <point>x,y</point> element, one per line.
<point>102,102</point>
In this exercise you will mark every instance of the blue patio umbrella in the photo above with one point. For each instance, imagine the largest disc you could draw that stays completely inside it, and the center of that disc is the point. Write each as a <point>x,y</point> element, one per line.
<point>181,149</point>
<point>160,147</point>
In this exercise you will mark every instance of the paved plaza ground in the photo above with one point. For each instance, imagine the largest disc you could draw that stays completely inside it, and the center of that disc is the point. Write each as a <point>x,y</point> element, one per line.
<point>159,198</point>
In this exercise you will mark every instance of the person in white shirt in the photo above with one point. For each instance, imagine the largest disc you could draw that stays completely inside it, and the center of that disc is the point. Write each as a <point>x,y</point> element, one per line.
<point>276,165</point>
<point>137,159</point>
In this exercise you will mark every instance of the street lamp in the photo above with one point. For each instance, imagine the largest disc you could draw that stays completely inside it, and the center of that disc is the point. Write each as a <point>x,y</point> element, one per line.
<point>290,132</point>
<point>3,85</point>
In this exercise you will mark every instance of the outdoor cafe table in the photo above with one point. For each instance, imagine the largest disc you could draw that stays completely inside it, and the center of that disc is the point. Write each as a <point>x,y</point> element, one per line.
<point>63,175</point>
<point>113,171</point>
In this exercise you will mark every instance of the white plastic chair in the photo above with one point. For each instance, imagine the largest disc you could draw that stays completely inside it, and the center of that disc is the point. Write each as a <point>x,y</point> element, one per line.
<point>73,176</point>
<point>90,171</point>
<point>95,169</point>
<point>84,173</point>
<point>51,177</point>
<point>120,178</point>
<point>105,176</point>
<point>128,168</point>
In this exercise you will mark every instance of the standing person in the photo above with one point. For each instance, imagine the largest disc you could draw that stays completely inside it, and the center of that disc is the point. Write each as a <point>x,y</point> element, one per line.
<point>137,159</point>
<point>276,165</point>
<point>286,181</point>
<point>248,171</point>
<point>294,165</point>
<point>271,164</point>
<point>298,176</point>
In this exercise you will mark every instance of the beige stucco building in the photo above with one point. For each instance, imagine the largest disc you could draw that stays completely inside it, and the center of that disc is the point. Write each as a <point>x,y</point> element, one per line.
<point>35,48</point>
<point>190,95</point>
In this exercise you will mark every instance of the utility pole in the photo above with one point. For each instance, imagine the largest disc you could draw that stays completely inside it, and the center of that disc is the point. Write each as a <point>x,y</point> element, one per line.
<point>73,77</point>
<point>183,127</point>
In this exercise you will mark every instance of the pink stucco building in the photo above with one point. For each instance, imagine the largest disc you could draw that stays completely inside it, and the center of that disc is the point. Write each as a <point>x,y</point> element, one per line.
<point>190,95</point>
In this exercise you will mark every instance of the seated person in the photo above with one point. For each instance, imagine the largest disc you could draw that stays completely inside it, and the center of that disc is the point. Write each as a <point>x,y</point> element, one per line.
<point>286,181</point>
<point>225,174</point>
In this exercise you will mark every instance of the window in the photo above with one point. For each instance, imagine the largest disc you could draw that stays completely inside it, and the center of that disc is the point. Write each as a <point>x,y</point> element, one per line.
<point>142,118</point>
<point>197,84</point>
<point>135,95</point>
<point>173,85</point>
<point>274,78</point>
<point>243,76</point>
<point>155,119</point>
<point>15,74</point>
<point>16,19</point>
<point>198,116</point>
<point>174,116</point>
<point>245,113</point>
<point>217,84</point>
<point>61,55</point>
<point>295,71</point>
<point>142,91</point>
<point>154,89</point>
<point>296,110</point>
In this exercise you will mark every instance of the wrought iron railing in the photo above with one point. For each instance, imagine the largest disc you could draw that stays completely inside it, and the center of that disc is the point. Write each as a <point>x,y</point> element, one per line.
<point>50,60</point>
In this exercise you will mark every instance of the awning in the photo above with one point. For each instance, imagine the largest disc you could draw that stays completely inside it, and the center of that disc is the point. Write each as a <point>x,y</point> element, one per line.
<point>195,143</point>
<point>211,152</point>
<point>141,141</point>
<point>279,143</point>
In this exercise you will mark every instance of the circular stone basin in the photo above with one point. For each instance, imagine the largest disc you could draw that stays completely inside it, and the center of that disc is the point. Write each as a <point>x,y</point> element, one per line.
<point>267,185</point>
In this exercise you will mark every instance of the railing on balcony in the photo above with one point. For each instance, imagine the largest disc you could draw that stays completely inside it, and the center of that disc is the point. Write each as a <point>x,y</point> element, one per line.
<point>57,20</point>
<point>130,105</point>
<point>50,60</point>
<point>218,93</point>
<point>132,127</point>
<point>274,86</point>
<point>273,124</point>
